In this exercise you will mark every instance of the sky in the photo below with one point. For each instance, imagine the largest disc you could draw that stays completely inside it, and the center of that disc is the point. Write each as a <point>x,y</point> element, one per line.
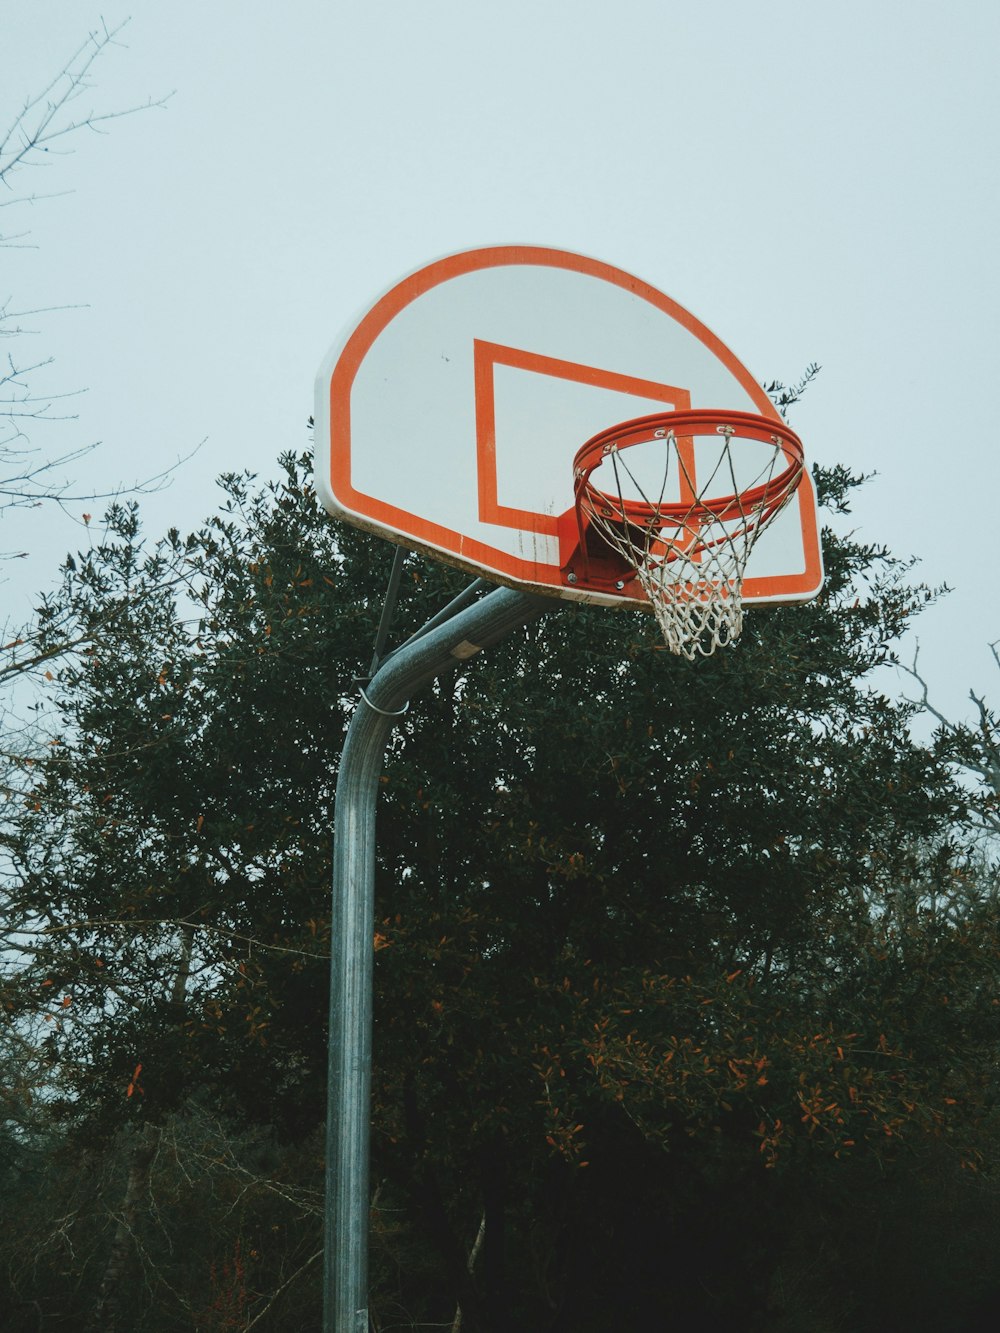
<point>814,183</point>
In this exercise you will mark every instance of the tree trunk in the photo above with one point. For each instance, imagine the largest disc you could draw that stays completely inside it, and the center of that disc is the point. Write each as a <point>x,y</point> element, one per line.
<point>104,1316</point>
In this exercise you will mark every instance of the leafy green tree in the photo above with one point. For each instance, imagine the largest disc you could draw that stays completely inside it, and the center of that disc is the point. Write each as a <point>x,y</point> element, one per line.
<point>658,986</point>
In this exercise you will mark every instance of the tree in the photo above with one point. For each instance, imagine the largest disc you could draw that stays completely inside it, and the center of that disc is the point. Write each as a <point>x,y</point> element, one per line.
<point>657,990</point>
<point>45,125</point>
<point>973,749</point>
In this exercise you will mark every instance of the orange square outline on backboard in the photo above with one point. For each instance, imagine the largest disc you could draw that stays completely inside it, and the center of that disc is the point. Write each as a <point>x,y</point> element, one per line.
<point>487,355</point>
<point>334,435</point>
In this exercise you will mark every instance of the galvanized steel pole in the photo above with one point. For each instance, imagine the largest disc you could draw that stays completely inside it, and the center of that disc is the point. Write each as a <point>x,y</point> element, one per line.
<point>345,1278</point>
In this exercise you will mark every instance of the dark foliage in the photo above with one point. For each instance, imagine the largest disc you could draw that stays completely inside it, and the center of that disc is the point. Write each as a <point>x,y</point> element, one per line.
<point>683,982</point>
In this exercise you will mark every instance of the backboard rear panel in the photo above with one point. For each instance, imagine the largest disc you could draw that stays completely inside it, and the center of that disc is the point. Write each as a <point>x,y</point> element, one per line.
<point>447,419</point>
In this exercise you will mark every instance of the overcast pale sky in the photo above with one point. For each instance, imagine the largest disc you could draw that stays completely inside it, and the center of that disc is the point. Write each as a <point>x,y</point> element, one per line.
<point>815,183</point>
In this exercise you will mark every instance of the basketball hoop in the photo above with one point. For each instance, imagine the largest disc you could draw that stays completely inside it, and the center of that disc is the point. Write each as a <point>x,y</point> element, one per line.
<point>684,522</point>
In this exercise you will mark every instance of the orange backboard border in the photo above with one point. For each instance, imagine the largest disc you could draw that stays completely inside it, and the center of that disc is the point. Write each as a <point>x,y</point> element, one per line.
<point>340,496</point>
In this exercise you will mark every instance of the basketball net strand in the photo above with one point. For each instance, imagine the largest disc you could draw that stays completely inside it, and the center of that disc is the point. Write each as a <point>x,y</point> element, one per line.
<point>690,565</point>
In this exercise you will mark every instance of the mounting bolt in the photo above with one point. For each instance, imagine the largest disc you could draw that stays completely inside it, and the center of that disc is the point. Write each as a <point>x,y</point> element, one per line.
<point>570,577</point>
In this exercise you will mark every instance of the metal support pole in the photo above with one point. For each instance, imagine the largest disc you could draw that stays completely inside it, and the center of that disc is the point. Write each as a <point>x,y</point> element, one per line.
<point>417,663</point>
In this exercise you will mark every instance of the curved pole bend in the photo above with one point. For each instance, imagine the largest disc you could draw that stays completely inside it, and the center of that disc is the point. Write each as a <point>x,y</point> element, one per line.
<point>417,663</point>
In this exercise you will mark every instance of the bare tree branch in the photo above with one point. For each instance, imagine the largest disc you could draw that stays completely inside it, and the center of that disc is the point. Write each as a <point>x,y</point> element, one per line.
<point>974,749</point>
<point>44,119</point>
<point>282,1289</point>
<point>45,127</point>
<point>25,933</point>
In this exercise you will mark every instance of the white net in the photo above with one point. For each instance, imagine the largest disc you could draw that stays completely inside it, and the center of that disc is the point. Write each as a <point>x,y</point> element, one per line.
<point>689,540</point>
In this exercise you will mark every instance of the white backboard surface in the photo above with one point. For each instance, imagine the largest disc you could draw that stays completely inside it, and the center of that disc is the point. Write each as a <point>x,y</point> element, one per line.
<point>448,416</point>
